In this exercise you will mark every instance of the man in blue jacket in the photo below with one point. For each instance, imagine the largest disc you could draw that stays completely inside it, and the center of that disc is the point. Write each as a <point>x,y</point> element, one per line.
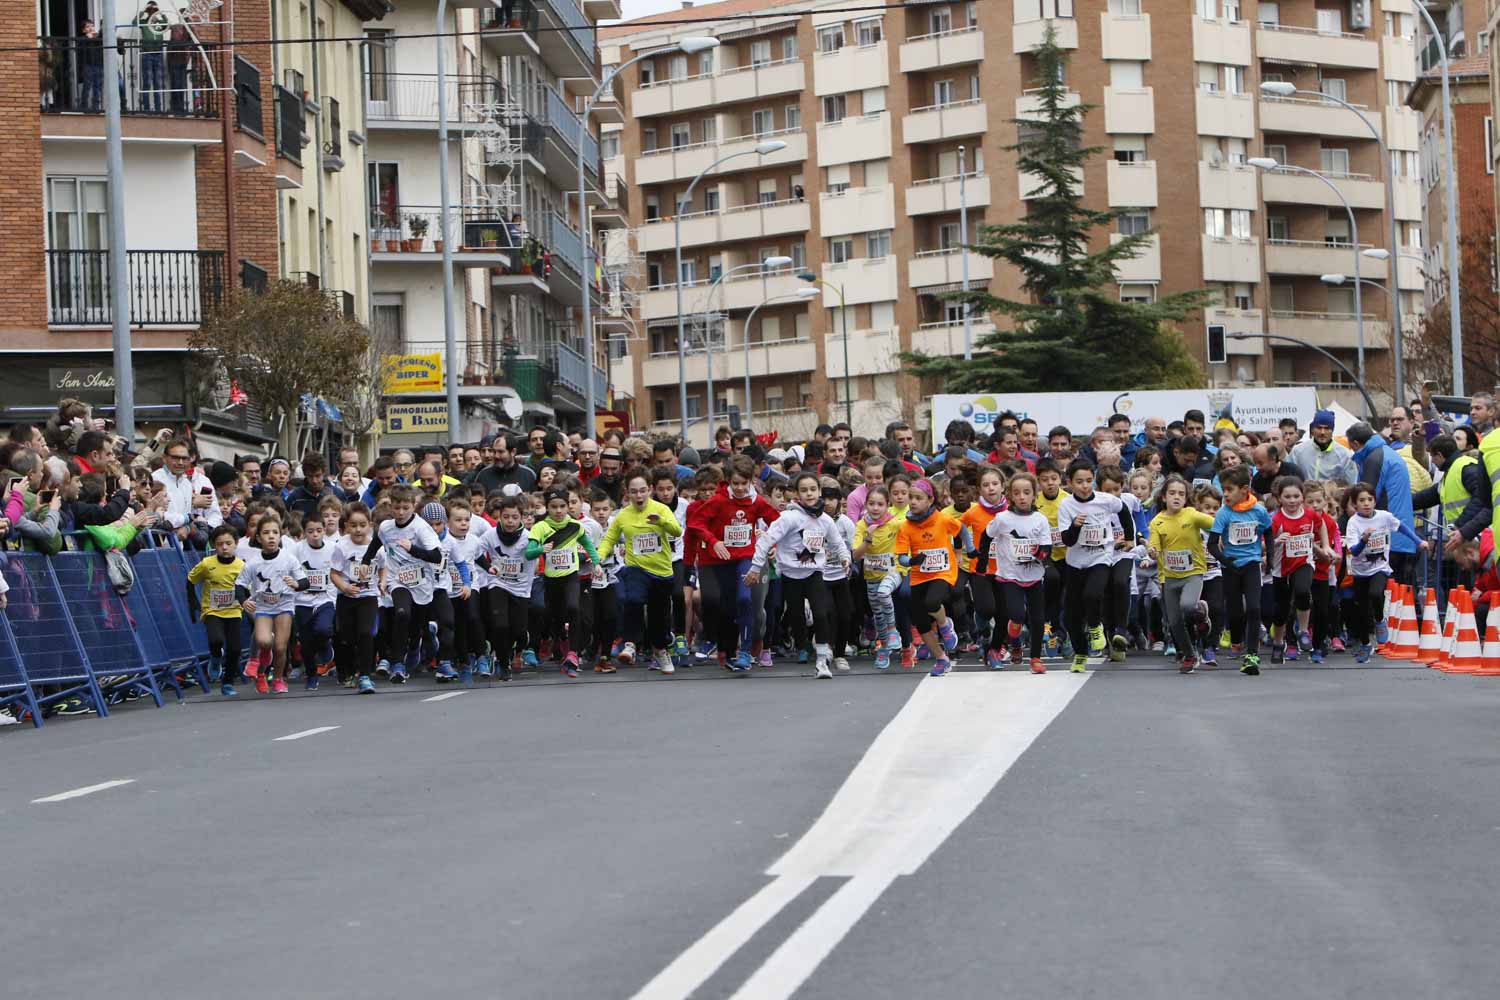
<point>1382,467</point>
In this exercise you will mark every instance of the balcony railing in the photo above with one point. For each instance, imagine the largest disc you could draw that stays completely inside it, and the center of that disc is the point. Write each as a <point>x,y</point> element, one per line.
<point>572,372</point>
<point>167,287</point>
<point>174,82</point>
<point>397,228</point>
<point>569,127</point>
<point>580,30</point>
<point>530,377</point>
<point>413,97</point>
<point>478,362</point>
<point>249,109</point>
<point>333,144</point>
<point>566,244</point>
<point>289,111</point>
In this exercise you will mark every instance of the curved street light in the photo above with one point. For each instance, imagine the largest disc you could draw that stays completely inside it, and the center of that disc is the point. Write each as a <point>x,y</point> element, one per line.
<point>1358,383</point>
<point>801,293</point>
<point>770,263</point>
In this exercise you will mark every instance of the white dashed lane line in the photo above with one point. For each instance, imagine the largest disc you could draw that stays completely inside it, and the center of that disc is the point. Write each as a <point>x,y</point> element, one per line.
<point>444,697</point>
<point>79,793</point>
<point>305,733</point>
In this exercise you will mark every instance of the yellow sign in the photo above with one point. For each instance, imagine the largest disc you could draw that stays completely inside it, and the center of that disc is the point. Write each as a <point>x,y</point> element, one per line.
<point>416,418</point>
<point>407,373</point>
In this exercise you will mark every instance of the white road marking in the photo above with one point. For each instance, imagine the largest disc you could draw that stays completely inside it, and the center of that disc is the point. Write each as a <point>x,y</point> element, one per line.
<point>926,772</point>
<point>304,733</point>
<point>78,793</point>
<point>445,697</point>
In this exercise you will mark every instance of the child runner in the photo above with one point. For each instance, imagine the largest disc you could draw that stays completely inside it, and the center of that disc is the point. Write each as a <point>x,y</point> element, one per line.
<point>265,588</point>
<point>411,551</point>
<point>984,583</point>
<point>1325,565</point>
<point>684,584</point>
<point>1237,541</point>
<point>1111,480</point>
<point>836,575</point>
<point>925,542</point>
<point>875,545</point>
<point>1019,551</point>
<point>557,538</point>
<point>646,528</point>
<point>507,605</point>
<point>1089,521</point>
<point>1177,547</point>
<point>1297,534</point>
<point>599,614</point>
<point>352,572</point>
<point>1209,500</point>
<point>721,534</point>
<point>1368,540</point>
<point>450,584</point>
<point>1049,477</point>
<point>465,535</point>
<point>219,608</point>
<point>314,611</point>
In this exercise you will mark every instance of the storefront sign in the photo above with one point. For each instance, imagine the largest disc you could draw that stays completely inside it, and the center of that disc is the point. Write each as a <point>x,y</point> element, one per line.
<point>416,418</point>
<point>87,383</point>
<point>411,373</point>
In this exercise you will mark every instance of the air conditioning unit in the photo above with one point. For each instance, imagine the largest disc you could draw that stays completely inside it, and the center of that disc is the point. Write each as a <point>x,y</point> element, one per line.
<point>1359,14</point>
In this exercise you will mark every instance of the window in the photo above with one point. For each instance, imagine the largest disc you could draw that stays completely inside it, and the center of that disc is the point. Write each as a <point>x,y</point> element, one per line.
<point>1138,292</point>
<point>1276,152</point>
<point>1239,223</point>
<point>1335,161</point>
<point>1278,230</point>
<point>831,38</point>
<point>1336,229</point>
<point>873,100</point>
<point>762,121</point>
<point>710,130</point>
<point>760,52</point>
<point>1334,86</point>
<point>682,135</point>
<point>841,250</point>
<point>942,92</point>
<point>1125,8</point>
<point>609,145</point>
<point>1489,145</point>
<point>878,244</point>
<point>1268,13</point>
<point>1208,9</point>
<point>837,179</point>
<point>1243,296</point>
<point>1330,21</point>
<point>1214,222</point>
<point>793,116</point>
<point>1232,11</point>
<point>711,199</point>
<point>689,272</point>
<point>648,139</point>
<point>1130,148</point>
<point>677,67</point>
<point>767,193</point>
<point>1127,74</point>
<point>949,236</point>
<point>940,21</point>
<point>1234,148</point>
<point>1208,77</point>
<point>833,108</point>
<point>653,208</point>
<point>1340,301</point>
<point>789,47</point>
<point>868,32</point>
<point>387,318</point>
<point>384,186</point>
<point>715,267</point>
<point>1135,221</point>
<point>706,63</point>
<point>799,256</point>
<point>648,73</point>
<point>971,14</point>
<point>1234,79</point>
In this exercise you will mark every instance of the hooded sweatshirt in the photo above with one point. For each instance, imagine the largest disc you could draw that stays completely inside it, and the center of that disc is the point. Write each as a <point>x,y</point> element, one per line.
<point>724,518</point>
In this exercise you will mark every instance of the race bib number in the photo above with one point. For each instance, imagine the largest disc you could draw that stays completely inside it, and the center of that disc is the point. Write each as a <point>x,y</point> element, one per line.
<point>1092,535</point>
<point>562,560</point>
<point>1376,543</point>
<point>360,572</point>
<point>221,600</point>
<point>812,541</point>
<point>1022,550</point>
<point>1242,532</point>
<point>408,576</point>
<point>935,560</point>
<point>598,577</point>
<point>317,582</point>
<point>737,536</point>
<point>454,577</point>
<point>1298,546</point>
<point>646,544</point>
<point>878,564</point>
<point>1177,560</point>
<point>1057,537</point>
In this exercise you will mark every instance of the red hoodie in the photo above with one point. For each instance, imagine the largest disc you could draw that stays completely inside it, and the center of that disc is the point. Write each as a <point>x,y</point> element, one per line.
<point>722,518</point>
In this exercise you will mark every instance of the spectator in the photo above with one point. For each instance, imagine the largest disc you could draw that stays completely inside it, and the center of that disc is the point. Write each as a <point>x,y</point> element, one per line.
<point>538,449</point>
<point>406,464</point>
<point>249,469</point>
<point>664,453</point>
<point>1269,467</point>
<point>1321,457</point>
<point>505,470</point>
<point>835,455</point>
<point>1291,434</point>
<point>93,67</point>
<point>609,479</point>
<point>961,432</point>
<point>92,451</point>
<point>456,462</point>
<point>1119,426</point>
<point>588,461</point>
<point>304,499</point>
<point>1379,466</point>
<point>153,26</point>
<point>1060,445</point>
<point>1482,412</point>
<point>1028,431</point>
<point>190,495</point>
<point>382,477</point>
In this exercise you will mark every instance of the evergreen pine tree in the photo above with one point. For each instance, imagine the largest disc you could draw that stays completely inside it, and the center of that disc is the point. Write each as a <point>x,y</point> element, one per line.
<point>1073,333</point>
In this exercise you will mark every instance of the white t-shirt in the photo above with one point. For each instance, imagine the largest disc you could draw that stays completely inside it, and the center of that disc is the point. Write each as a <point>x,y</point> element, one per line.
<point>834,571</point>
<point>406,571</point>
<point>265,579</point>
<point>1014,539</point>
<point>1131,506</point>
<point>512,571</point>
<point>315,563</point>
<point>1376,532</point>
<point>1096,538</point>
<point>465,550</point>
<point>348,560</point>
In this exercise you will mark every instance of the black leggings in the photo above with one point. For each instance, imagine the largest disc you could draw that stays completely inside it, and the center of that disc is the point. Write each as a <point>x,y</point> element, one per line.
<point>1083,602</point>
<point>562,608</point>
<point>987,593</point>
<point>1322,606</point>
<point>1053,572</point>
<point>1213,595</point>
<point>1368,605</point>
<point>505,616</point>
<point>408,620</point>
<point>1117,596</point>
<point>1023,605</point>
<point>224,644</point>
<point>814,591</point>
<point>1242,598</point>
<point>354,635</point>
<point>598,621</point>
<point>1293,594</point>
<point>843,615</point>
<point>468,630</point>
<point>926,600</point>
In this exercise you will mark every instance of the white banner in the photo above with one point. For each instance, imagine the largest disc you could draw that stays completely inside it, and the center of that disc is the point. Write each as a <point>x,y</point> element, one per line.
<point>1081,412</point>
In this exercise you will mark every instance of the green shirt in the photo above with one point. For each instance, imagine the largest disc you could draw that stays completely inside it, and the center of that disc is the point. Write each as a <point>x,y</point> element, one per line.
<point>562,560</point>
<point>647,546</point>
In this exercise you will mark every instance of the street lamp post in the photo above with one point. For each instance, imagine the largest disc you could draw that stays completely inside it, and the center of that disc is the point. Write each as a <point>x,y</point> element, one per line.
<point>760,149</point>
<point>450,325</point>
<point>687,46</point>
<point>1359,383</point>
<point>1266,163</point>
<point>708,354</point>
<point>801,293</point>
<point>963,242</point>
<point>844,322</point>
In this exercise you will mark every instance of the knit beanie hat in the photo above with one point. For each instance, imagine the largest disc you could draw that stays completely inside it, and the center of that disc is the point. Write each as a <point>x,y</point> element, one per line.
<point>434,512</point>
<point>1323,418</point>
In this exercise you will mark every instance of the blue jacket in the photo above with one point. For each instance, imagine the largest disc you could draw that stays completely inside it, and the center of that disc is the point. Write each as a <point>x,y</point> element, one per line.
<point>1383,468</point>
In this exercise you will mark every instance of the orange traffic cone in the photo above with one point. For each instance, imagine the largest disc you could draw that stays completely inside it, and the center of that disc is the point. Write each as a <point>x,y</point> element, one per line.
<point>1429,646</point>
<point>1489,662</point>
<point>1393,592</point>
<point>1450,631</point>
<point>1404,644</point>
<point>1466,651</point>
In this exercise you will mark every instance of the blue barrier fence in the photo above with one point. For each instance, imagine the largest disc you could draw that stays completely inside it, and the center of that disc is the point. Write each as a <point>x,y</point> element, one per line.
<point>66,633</point>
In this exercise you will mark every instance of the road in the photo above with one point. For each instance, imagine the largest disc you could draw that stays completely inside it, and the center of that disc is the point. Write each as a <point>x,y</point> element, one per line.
<point>1312,832</point>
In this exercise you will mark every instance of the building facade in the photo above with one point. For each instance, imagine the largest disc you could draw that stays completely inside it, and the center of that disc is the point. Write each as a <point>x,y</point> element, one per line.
<point>895,121</point>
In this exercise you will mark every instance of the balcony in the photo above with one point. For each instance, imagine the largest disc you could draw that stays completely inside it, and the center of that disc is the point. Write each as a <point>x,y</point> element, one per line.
<point>572,374</point>
<point>1221,114</point>
<point>478,363</point>
<point>741,291</point>
<point>1036,185</point>
<point>531,378</point>
<point>167,287</point>
<point>930,268</point>
<point>856,210</point>
<point>833,71</point>
<point>1029,104</point>
<point>1329,329</point>
<point>767,357</point>
<point>566,129</point>
<point>1027,35</point>
<point>1146,267</point>
<point>852,140</point>
<point>1399,57</point>
<point>744,222</point>
<point>409,101</point>
<point>1131,185</point>
<point>941,194</point>
<point>333,146</point>
<point>515,37</point>
<point>567,259</point>
<point>414,234</point>
<point>1315,258</point>
<point>1292,187</point>
<point>1129,111</point>
<point>945,339</point>
<point>737,83</point>
<point>566,38</point>
<point>1300,46</point>
<point>956,47</point>
<point>179,84</point>
<point>1220,41</point>
<point>1231,260</point>
<point>1125,36</point>
<point>685,162</point>
<point>1310,116</point>
<point>1238,321</point>
<point>871,352</point>
<point>1227,185</point>
<point>938,122</point>
<point>1408,199</point>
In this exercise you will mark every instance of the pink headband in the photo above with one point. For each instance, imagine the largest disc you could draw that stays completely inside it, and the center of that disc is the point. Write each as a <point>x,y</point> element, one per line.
<point>924,486</point>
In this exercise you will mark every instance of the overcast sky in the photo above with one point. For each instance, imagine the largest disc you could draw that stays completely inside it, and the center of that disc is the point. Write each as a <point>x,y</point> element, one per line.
<point>640,8</point>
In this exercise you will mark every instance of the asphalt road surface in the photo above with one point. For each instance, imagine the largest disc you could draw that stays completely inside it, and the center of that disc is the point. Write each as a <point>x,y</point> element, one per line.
<point>1314,832</point>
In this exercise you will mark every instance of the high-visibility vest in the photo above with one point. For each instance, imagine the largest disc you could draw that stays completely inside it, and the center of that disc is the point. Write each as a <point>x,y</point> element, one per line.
<point>1489,454</point>
<point>1454,497</point>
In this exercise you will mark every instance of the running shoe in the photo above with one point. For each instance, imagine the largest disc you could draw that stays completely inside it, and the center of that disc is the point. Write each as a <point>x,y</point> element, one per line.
<point>1017,652</point>
<point>1278,652</point>
<point>841,664</point>
<point>1188,665</point>
<point>614,648</point>
<point>1119,644</point>
<point>398,674</point>
<point>821,670</point>
<point>704,651</point>
<point>1382,632</point>
<point>923,652</point>
<point>604,666</point>
<point>1038,667</point>
<point>1291,654</point>
<point>1362,655</point>
<point>742,662</point>
<point>1115,653</point>
<point>73,706</point>
<point>1066,649</point>
<point>1251,666</point>
<point>311,684</point>
<point>570,664</point>
<point>680,647</point>
<point>279,687</point>
<point>1096,640</point>
<point>1337,645</point>
<point>893,640</point>
<point>1170,651</point>
<point>995,659</point>
<point>347,682</point>
<point>1049,640</point>
<point>882,658</point>
<point>909,658</point>
<point>968,646</point>
<point>1080,663</point>
<point>1304,641</point>
<point>766,659</point>
<point>803,655</point>
<point>215,669</point>
<point>941,667</point>
<point>1158,647</point>
<point>383,668</point>
<point>625,653</point>
<point>366,686</point>
<point>445,672</point>
<point>1210,658</point>
<point>252,665</point>
<point>664,662</point>
<point>948,637</point>
<point>528,657</point>
<point>483,666</point>
<point>227,690</point>
<point>262,686</point>
<point>1316,656</point>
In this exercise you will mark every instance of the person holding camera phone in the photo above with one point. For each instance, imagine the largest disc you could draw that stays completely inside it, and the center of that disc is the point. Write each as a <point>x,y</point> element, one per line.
<point>190,495</point>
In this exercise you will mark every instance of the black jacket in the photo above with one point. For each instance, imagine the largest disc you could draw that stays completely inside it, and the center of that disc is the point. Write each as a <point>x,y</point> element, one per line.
<point>1476,514</point>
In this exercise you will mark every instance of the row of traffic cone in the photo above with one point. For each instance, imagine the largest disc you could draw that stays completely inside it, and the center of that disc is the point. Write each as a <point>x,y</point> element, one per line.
<point>1457,649</point>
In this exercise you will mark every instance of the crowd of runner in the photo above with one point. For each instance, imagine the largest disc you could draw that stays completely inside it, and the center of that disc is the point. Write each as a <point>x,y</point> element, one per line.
<point>543,551</point>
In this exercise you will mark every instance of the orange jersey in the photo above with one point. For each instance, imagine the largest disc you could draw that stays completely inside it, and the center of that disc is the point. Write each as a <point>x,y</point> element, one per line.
<point>930,545</point>
<point>977,519</point>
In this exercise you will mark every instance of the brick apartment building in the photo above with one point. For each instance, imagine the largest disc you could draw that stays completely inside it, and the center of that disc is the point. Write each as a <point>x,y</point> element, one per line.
<point>873,109</point>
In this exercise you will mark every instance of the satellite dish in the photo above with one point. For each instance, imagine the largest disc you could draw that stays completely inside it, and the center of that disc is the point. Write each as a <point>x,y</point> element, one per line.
<point>511,406</point>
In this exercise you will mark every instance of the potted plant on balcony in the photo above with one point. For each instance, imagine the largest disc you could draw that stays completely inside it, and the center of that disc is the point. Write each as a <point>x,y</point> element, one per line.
<point>489,238</point>
<point>377,231</point>
<point>418,226</point>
